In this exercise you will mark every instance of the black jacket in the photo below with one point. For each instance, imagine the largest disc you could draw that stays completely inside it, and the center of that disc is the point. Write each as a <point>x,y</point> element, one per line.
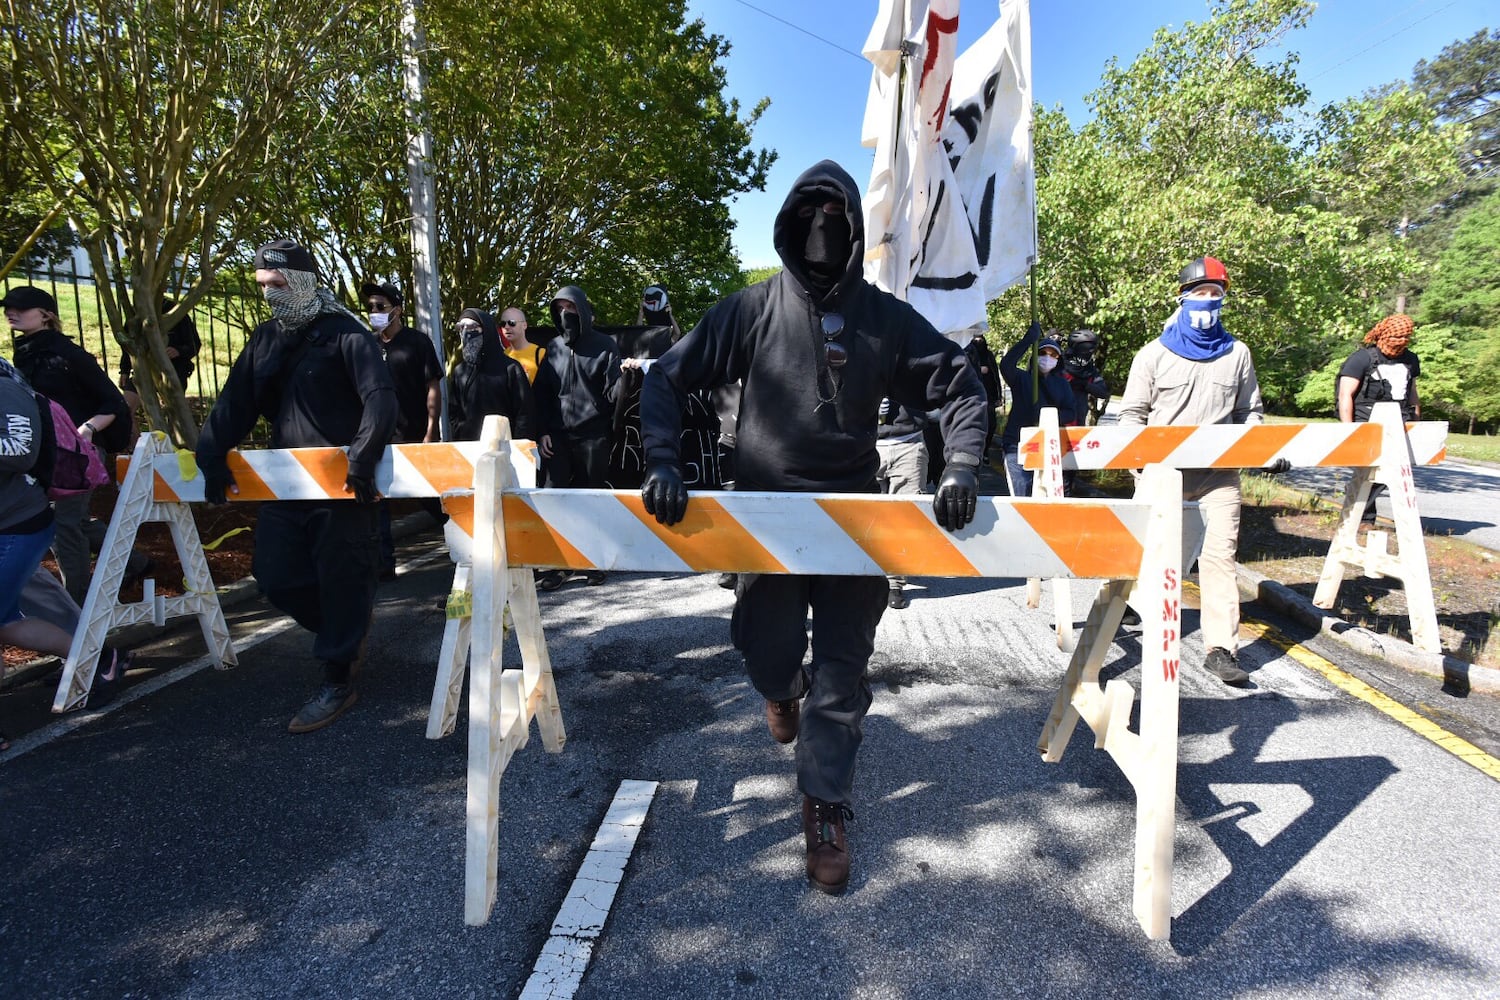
<point>497,384</point>
<point>70,376</point>
<point>981,357</point>
<point>768,336</point>
<point>578,378</point>
<point>339,394</point>
<point>1025,409</point>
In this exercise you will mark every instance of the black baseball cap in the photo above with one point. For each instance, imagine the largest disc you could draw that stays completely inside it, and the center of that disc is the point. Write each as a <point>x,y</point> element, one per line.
<point>387,292</point>
<point>286,255</point>
<point>28,297</point>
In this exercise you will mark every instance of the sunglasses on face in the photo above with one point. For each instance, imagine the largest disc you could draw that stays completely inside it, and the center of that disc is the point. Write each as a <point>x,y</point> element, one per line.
<point>509,322</point>
<point>836,354</point>
<point>378,307</point>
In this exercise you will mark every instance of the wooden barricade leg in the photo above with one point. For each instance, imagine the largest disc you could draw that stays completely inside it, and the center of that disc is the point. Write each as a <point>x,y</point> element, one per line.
<point>486,730</point>
<point>1047,483</point>
<point>1154,769</point>
<point>1409,565</point>
<point>536,664</point>
<point>1080,691</point>
<point>102,611</point>
<point>447,688</point>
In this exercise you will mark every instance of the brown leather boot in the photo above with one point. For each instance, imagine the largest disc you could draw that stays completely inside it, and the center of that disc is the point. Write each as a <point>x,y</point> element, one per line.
<point>827,844</point>
<point>784,718</point>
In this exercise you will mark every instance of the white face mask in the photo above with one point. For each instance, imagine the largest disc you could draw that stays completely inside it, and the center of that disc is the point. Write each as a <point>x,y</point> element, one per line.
<point>379,321</point>
<point>1046,363</point>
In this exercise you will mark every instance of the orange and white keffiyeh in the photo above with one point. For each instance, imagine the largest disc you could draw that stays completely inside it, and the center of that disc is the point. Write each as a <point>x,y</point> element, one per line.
<point>1392,334</point>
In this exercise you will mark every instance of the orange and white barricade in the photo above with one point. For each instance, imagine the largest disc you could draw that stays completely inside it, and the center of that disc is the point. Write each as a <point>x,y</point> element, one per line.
<point>1381,451</point>
<point>1131,544</point>
<point>158,483</point>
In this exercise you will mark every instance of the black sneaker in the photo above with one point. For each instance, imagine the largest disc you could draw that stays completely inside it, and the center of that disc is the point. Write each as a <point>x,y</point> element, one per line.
<point>550,579</point>
<point>728,580</point>
<point>1131,620</point>
<point>898,598</point>
<point>594,577</point>
<point>1225,666</point>
<point>331,701</point>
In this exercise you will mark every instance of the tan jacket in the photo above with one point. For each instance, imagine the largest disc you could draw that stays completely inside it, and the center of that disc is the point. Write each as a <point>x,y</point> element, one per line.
<point>1167,389</point>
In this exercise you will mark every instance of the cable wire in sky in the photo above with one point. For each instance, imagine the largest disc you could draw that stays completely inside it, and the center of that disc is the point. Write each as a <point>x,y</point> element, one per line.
<point>1426,17</point>
<point>796,27</point>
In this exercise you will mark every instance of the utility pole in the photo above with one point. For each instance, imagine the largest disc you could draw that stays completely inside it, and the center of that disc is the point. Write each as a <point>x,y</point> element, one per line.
<point>429,315</point>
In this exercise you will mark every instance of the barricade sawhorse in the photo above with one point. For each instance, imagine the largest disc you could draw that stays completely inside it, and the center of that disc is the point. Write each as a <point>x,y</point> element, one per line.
<point>1131,544</point>
<point>1381,451</point>
<point>157,484</point>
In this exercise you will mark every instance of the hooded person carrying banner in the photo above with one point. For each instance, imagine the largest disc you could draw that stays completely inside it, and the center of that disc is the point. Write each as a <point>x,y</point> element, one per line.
<point>486,380</point>
<point>816,348</point>
<point>1195,374</point>
<point>315,373</point>
<point>575,390</point>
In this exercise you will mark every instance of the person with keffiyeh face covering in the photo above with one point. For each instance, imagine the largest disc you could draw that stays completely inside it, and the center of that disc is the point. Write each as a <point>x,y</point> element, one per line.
<point>1197,373</point>
<point>314,372</point>
<point>1384,369</point>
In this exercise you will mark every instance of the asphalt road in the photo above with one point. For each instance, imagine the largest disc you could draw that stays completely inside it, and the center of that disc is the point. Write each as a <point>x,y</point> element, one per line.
<point>184,845</point>
<point>1455,498</point>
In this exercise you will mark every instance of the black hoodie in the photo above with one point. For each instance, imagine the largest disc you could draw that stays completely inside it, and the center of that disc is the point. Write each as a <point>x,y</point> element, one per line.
<point>576,382</point>
<point>769,336</point>
<point>497,384</point>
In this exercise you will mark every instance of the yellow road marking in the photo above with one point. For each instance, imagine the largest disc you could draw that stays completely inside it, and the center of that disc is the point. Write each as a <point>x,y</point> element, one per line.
<point>1456,745</point>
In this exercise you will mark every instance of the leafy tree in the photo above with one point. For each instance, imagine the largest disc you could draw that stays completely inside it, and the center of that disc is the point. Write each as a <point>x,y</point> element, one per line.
<point>1463,83</point>
<point>168,111</point>
<point>1199,147</point>
<point>1465,290</point>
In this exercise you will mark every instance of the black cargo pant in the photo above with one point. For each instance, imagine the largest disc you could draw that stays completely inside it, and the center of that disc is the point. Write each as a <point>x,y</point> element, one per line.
<point>316,561</point>
<point>770,627</point>
<point>580,460</point>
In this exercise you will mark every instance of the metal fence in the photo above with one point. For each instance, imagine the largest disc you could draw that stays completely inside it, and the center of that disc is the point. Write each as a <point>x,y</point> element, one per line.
<point>224,320</point>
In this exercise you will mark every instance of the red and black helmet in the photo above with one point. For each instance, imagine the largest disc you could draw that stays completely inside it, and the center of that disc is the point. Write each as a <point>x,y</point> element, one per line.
<point>1202,270</point>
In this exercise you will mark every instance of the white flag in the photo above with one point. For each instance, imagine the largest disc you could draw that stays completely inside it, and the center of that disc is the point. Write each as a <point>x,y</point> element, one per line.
<point>988,136</point>
<point>925,240</point>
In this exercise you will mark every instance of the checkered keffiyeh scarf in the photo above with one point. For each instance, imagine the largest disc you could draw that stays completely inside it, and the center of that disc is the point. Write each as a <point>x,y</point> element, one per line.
<point>1392,334</point>
<point>8,370</point>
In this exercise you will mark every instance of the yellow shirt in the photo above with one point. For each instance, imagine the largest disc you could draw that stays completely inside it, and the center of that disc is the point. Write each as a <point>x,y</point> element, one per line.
<point>529,357</point>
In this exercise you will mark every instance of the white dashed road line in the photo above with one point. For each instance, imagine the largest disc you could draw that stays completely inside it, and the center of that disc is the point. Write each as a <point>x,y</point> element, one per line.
<point>564,958</point>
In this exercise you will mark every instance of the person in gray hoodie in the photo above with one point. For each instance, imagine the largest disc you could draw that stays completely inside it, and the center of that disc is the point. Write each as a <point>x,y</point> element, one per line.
<point>575,392</point>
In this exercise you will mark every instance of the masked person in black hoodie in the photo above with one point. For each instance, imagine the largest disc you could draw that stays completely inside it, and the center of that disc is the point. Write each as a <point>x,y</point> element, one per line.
<point>315,373</point>
<point>816,348</point>
<point>575,401</point>
<point>486,380</point>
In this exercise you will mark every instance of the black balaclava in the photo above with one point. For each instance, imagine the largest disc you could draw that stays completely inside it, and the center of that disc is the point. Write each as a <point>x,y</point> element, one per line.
<point>826,247</point>
<point>473,343</point>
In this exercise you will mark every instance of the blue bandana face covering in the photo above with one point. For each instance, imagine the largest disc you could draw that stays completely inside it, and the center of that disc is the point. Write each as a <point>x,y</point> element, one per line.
<point>1203,314</point>
<point>1196,333</point>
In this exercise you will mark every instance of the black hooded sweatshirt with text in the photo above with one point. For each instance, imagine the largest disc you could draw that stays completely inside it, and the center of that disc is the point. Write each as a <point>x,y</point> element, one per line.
<point>768,336</point>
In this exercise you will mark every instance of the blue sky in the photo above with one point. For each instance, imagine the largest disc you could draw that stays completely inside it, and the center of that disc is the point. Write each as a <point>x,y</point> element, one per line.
<point>818,92</point>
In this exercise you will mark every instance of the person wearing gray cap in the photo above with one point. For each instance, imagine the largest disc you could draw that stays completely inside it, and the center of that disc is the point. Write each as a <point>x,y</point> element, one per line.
<point>315,373</point>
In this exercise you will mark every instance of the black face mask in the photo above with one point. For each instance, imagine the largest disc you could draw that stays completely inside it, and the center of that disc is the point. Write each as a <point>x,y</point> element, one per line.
<point>826,250</point>
<point>572,326</point>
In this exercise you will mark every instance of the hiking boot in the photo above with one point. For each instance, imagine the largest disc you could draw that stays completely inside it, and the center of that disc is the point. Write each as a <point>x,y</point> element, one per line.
<point>898,598</point>
<point>331,701</point>
<point>827,843</point>
<point>1225,666</point>
<point>550,579</point>
<point>784,718</point>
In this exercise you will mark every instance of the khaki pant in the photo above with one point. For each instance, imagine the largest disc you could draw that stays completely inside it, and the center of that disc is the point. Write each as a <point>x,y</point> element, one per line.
<point>1218,496</point>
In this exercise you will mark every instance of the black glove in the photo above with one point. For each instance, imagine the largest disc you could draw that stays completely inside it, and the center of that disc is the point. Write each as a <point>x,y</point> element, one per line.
<point>1279,466</point>
<point>957,496</point>
<point>363,488</point>
<point>664,494</point>
<point>216,484</point>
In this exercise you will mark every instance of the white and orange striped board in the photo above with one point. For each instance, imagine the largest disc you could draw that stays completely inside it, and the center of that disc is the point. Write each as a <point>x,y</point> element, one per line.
<point>815,533</point>
<point>1231,446</point>
<point>405,470</point>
